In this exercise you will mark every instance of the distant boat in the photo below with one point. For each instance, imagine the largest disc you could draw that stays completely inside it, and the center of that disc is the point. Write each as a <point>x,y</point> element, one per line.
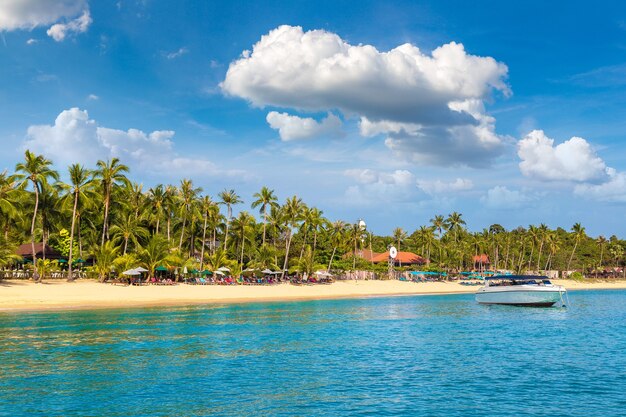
<point>520,290</point>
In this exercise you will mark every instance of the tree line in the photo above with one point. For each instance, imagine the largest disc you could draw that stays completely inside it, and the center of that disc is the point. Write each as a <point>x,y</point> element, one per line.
<point>101,214</point>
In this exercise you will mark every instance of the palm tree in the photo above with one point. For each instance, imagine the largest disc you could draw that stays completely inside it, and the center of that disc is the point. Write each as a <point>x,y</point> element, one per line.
<point>399,236</point>
<point>242,226</point>
<point>553,242</point>
<point>265,200</point>
<point>336,237</point>
<point>10,194</point>
<point>105,256</point>
<point>208,209</point>
<point>169,202</point>
<point>438,223</point>
<point>542,230</point>
<point>154,254</point>
<point>229,198</point>
<point>579,234</point>
<point>110,174</point>
<point>292,211</point>
<point>129,229</point>
<point>454,223</point>
<point>81,186</point>
<point>188,196</point>
<point>37,170</point>
<point>156,198</point>
<point>601,241</point>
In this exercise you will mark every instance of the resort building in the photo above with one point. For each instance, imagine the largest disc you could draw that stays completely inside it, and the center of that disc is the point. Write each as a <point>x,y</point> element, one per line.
<point>403,258</point>
<point>41,251</point>
<point>481,262</point>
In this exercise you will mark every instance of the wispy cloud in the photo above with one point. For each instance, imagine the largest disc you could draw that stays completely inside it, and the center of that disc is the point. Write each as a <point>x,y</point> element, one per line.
<point>180,52</point>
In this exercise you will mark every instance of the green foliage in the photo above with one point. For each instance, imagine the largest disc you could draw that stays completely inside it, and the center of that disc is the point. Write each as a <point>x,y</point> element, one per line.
<point>576,276</point>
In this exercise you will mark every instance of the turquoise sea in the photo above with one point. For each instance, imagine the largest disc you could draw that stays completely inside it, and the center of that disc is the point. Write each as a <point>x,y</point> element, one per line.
<point>400,356</point>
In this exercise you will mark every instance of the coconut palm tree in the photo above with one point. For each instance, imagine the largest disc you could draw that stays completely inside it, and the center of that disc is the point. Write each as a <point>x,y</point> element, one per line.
<point>10,195</point>
<point>104,256</point>
<point>80,187</point>
<point>154,254</point>
<point>336,231</point>
<point>579,233</point>
<point>601,241</point>
<point>265,200</point>
<point>36,170</point>
<point>542,230</point>
<point>243,226</point>
<point>229,198</point>
<point>188,195</point>
<point>156,201</point>
<point>110,174</point>
<point>454,223</point>
<point>399,236</point>
<point>208,209</point>
<point>292,211</point>
<point>128,229</point>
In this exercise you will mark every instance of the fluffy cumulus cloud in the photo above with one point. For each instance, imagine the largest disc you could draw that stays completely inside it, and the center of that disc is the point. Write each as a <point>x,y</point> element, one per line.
<point>75,137</point>
<point>65,16</point>
<point>613,190</point>
<point>430,105</point>
<point>436,187</point>
<point>295,128</point>
<point>500,197</point>
<point>572,160</point>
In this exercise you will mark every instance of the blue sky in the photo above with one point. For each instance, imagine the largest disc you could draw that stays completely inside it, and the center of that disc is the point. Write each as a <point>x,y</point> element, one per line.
<point>320,107</point>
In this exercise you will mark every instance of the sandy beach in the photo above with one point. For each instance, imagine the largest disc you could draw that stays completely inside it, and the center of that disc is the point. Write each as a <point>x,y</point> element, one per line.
<point>25,295</point>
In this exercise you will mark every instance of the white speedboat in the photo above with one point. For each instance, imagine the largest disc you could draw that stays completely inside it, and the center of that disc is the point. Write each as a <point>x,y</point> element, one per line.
<point>520,290</point>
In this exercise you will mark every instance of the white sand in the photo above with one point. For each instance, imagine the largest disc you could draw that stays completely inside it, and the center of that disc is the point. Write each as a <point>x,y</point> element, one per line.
<point>25,295</point>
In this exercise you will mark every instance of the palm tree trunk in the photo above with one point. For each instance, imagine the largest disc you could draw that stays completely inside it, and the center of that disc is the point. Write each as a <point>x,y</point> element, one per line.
<point>539,255</point>
<point>169,221</point>
<point>157,225</point>
<point>32,230</point>
<point>125,244</point>
<point>70,277</point>
<point>106,216</point>
<point>286,252</point>
<point>569,263</point>
<point>203,240</point>
<point>264,224</point>
<point>243,242</point>
<point>532,249</point>
<point>230,214</point>
<point>331,257</point>
<point>182,233</point>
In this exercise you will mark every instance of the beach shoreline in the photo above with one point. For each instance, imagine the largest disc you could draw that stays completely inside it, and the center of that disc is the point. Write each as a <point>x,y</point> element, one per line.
<point>17,295</point>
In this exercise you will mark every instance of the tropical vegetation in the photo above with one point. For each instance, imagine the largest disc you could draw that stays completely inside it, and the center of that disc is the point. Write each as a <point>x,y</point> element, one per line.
<point>102,215</point>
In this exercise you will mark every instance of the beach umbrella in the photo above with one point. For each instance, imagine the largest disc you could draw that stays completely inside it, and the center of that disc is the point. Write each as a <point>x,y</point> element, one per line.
<point>141,269</point>
<point>207,272</point>
<point>194,271</point>
<point>62,261</point>
<point>184,270</point>
<point>323,274</point>
<point>267,271</point>
<point>79,261</point>
<point>160,268</point>
<point>131,272</point>
<point>218,272</point>
<point>223,269</point>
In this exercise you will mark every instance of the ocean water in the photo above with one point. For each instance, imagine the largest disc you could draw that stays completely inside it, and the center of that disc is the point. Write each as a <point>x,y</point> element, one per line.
<point>400,356</point>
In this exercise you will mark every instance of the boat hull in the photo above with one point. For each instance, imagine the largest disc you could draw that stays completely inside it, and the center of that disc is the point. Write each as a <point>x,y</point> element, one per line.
<point>516,296</point>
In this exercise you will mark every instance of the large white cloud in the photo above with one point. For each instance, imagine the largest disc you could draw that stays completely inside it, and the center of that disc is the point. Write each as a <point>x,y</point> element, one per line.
<point>424,101</point>
<point>295,128</point>
<point>572,160</point>
<point>374,187</point>
<point>75,137</point>
<point>65,16</point>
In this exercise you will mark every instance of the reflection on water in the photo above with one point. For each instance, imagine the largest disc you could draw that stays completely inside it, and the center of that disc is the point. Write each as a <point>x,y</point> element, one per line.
<point>439,355</point>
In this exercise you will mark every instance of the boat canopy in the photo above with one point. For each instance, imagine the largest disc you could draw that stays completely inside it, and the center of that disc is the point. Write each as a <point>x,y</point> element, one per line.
<point>517,277</point>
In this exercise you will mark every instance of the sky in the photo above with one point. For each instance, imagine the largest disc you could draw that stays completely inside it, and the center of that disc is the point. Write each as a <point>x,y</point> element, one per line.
<point>392,112</point>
